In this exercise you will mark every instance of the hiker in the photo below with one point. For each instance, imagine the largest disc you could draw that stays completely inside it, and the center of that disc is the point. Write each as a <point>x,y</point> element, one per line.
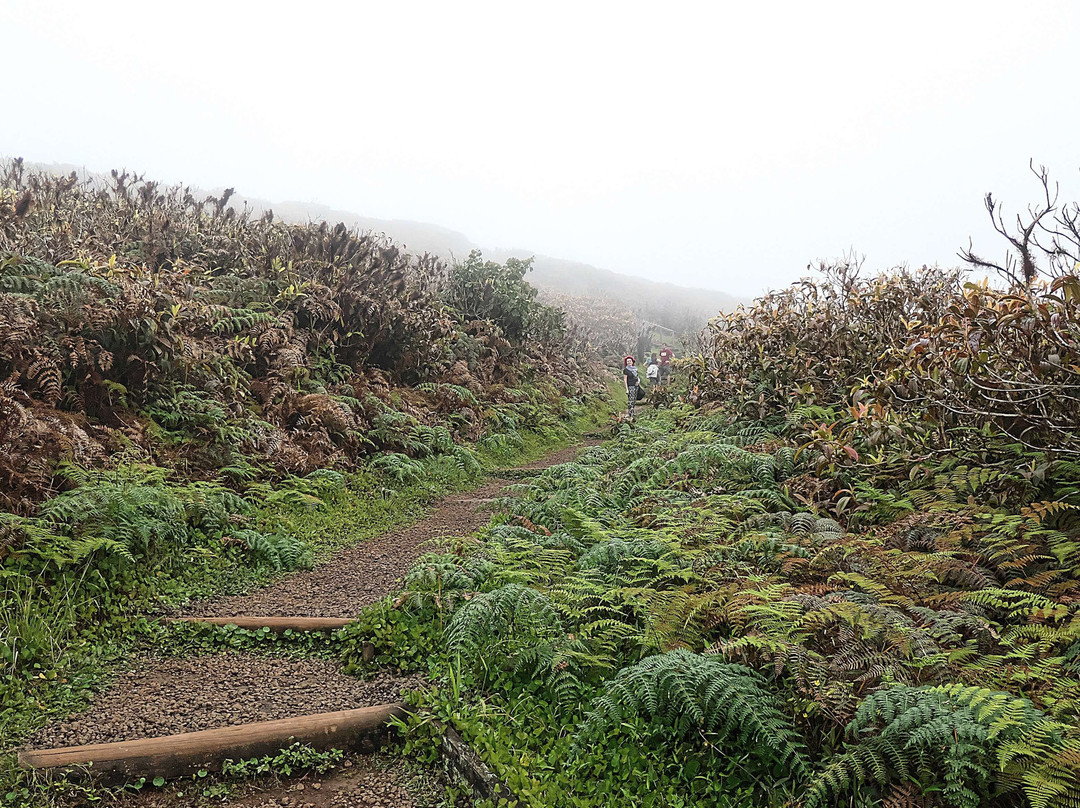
<point>652,372</point>
<point>666,355</point>
<point>633,382</point>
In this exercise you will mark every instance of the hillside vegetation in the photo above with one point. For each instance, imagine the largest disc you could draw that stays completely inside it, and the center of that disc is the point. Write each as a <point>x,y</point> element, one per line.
<point>192,399</point>
<point>140,319</point>
<point>850,574</point>
<point>581,289</point>
<point>837,563</point>
<point>592,296</point>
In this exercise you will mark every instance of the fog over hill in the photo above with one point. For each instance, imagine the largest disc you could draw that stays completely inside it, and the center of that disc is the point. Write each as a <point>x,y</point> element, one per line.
<point>682,308</point>
<point>677,307</point>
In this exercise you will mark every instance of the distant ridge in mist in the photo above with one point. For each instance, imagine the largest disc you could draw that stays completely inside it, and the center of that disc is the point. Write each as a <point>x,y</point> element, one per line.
<point>556,274</point>
<point>679,307</point>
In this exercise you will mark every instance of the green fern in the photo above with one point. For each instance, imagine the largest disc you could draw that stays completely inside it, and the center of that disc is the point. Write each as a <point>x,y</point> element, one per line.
<point>979,744</point>
<point>278,550</point>
<point>514,623</point>
<point>688,695</point>
<point>401,467</point>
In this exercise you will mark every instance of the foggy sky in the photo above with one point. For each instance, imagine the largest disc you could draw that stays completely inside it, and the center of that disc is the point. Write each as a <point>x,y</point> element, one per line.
<point>714,144</point>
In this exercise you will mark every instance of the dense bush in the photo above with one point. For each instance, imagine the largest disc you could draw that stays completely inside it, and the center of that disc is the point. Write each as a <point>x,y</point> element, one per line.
<point>485,290</point>
<point>134,316</point>
<point>918,357</point>
<point>681,617</point>
<point>922,348</point>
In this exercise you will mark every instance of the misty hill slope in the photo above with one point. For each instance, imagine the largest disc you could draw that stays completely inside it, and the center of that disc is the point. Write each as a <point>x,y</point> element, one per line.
<point>640,294</point>
<point>685,309</point>
<point>680,307</point>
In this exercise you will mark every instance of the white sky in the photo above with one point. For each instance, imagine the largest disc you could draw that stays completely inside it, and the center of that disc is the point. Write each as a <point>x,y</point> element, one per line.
<point>717,144</point>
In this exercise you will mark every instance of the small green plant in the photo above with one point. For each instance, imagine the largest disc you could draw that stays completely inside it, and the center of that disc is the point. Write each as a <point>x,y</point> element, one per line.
<point>295,757</point>
<point>385,634</point>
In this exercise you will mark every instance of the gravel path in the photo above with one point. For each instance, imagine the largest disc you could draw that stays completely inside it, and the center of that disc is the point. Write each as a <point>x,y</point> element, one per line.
<point>369,781</point>
<point>165,696</point>
<point>169,696</point>
<point>368,571</point>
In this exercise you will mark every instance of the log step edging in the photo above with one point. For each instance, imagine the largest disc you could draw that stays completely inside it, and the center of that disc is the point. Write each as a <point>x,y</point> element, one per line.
<point>278,625</point>
<point>461,759</point>
<point>171,756</point>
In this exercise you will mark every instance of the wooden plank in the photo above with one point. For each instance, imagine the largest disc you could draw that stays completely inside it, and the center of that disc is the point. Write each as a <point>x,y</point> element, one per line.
<point>173,756</point>
<point>275,624</point>
<point>460,758</point>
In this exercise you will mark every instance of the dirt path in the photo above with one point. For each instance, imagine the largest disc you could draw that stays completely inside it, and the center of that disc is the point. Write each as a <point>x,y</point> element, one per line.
<point>161,696</point>
<point>166,696</point>
<point>368,571</point>
<point>361,781</point>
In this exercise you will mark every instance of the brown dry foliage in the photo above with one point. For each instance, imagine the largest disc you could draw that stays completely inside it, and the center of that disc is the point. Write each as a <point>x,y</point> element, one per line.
<point>139,318</point>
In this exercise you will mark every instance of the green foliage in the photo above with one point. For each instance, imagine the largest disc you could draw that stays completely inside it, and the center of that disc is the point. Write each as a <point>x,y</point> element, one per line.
<point>402,638</point>
<point>977,745</point>
<point>699,599</point>
<point>527,740</point>
<point>485,290</point>
<point>280,550</point>
<point>295,757</point>
<point>685,694</point>
<point>515,624</point>
<point>400,467</point>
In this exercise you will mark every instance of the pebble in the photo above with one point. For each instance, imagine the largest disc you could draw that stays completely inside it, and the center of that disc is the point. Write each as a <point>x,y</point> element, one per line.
<point>186,695</point>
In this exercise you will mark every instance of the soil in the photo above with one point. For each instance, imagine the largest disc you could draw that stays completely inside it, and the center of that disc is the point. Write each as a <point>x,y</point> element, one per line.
<point>168,696</point>
<point>366,572</point>
<point>369,781</point>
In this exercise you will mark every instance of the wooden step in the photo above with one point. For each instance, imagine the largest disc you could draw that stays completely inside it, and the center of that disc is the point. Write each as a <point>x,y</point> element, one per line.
<point>362,730</point>
<point>275,624</point>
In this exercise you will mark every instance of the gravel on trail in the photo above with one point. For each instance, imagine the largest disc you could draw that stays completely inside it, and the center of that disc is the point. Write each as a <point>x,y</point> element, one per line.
<point>166,696</point>
<point>369,781</point>
<point>370,570</point>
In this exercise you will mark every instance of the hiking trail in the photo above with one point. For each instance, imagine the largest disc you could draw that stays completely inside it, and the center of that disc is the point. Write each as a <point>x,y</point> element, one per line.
<point>155,696</point>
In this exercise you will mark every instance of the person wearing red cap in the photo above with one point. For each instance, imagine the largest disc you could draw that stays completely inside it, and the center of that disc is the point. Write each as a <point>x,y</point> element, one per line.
<point>633,382</point>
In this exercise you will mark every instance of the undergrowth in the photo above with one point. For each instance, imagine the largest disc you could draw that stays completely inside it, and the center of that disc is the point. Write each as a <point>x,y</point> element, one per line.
<point>122,545</point>
<point>665,622</point>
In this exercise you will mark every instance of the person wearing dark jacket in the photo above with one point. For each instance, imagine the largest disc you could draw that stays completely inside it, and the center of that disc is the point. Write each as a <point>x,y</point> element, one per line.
<point>666,355</point>
<point>633,382</point>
